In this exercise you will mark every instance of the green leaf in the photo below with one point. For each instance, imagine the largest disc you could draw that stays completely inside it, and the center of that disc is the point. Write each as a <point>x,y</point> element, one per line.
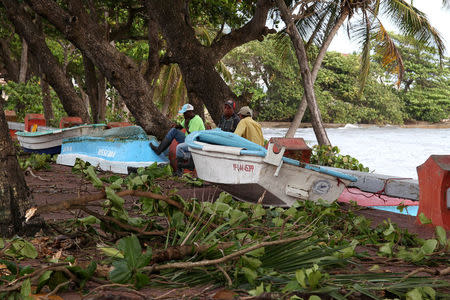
<point>141,280</point>
<point>2,243</point>
<point>386,249</point>
<point>120,273</point>
<point>145,258</point>
<point>314,278</point>
<point>22,248</point>
<point>117,185</point>
<point>89,220</point>
<point>110,251</point>
<point>415,294</point>
<point>250,274</point>
<point>429,246</point>
<point>441,235</point>
<point>131,249</point>
<point>116,200</point>
<point>301,278</point>
<point>25,290</point>
<point>251,262</point>
<point>258,291</point>
<point>90,172</point>
<point>43,279</point>
<point>259,211</point>
<point>314,297</point>
<point>423,219</point>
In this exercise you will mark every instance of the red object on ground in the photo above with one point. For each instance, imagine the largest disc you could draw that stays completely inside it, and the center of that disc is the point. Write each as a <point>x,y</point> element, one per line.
<point>370,199</point>
<point>172,155</point>
<point>118,124</point>
<point>13,135</point>
<point>296,148</point>
<point>34,119</point>
<point>10,116</point>
<point>434,190</point>
<point>66,122</point>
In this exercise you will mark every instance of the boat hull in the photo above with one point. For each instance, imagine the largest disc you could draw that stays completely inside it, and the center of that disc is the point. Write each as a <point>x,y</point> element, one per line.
<point>49,141</point>
<point>112,152</point>
<point>249,178</point>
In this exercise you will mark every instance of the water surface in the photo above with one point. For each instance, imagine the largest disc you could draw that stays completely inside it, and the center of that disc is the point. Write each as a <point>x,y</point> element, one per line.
<point>389,150</point>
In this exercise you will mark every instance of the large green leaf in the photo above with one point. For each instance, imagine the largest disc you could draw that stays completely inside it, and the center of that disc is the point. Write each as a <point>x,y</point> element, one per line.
<point>120,273</point>
<point>131,249</point>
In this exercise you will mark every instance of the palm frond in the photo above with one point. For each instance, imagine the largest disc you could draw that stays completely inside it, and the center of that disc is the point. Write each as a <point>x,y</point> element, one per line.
<point>363,32</point>
<point>391,57</point>
<point>412,21</point>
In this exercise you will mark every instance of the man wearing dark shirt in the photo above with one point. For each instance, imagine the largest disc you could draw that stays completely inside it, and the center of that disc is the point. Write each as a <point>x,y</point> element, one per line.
<point>230,119</point>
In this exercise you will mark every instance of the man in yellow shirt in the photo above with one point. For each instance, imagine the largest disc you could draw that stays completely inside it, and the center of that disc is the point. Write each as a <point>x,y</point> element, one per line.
<point>248,128</point>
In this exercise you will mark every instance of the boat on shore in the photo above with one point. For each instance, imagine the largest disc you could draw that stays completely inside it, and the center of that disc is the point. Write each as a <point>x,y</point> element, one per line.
<point>117,150</point>
<point>48,140</point>
<point>249,172</point>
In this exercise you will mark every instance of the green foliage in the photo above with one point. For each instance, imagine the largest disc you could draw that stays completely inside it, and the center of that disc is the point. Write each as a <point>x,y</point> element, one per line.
<point>329,156</point>
<point>36,161</point>
<point>272,77</point>
<point>25,98</point>
<point>129,267</point>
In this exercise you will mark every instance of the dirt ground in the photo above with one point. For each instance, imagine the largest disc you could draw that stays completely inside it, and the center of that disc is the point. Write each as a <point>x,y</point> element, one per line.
<point>59,184</point>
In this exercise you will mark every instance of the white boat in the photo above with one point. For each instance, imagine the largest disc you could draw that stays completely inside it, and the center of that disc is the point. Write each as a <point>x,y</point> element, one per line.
<point>251,173</point>
<point>49,141</point>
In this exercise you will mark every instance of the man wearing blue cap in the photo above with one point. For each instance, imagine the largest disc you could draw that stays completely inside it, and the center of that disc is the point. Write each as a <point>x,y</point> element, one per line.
<point>194,123</point>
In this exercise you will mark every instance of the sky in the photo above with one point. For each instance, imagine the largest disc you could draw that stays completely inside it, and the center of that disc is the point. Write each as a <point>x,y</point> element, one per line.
<point>437,16</point>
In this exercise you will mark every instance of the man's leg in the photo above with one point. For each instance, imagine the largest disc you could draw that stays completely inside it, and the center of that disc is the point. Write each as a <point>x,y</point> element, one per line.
<point>165,143</point>
<point>184,158</point>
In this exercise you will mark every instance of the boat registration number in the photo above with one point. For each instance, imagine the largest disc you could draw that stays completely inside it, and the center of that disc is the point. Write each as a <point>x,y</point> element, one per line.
<point>243,168</point>
<point>106,153</point>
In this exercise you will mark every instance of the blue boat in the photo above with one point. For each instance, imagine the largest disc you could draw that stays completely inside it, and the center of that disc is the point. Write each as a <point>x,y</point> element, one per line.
<point>116,150</point>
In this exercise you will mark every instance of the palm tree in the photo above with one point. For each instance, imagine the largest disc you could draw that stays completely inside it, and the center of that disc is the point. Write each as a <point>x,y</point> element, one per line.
<point>318,22</point>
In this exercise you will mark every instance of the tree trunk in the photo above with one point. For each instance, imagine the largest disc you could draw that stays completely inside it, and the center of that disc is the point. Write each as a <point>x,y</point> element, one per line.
<point>23,62</point>
<point>307,82</point>
<point>24,26</point>
<point>120,70</point>
<point>197,62</point>
<point>323,50</point>
<point>91,88</point>
<point>14,194</point>
<point>101,97</point>
<point>11,65</point>
<point>46,100</point>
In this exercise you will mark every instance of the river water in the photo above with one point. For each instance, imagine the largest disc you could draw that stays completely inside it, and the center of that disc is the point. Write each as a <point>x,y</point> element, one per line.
<point>389,150</point>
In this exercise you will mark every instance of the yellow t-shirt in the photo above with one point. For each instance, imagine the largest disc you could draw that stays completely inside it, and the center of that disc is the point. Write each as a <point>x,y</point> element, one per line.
<point>250,130</point>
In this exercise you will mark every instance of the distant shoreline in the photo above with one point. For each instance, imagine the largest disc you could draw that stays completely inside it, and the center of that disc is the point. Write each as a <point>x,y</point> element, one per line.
<point>424,125</point>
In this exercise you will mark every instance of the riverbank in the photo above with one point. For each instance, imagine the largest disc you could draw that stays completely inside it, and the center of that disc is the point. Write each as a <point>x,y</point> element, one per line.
<point>445,124</point>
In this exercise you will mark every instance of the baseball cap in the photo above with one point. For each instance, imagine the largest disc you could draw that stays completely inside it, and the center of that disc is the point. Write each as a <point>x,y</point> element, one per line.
<point>231,104</point>
<point>185,108</point>
<point>245,111</point>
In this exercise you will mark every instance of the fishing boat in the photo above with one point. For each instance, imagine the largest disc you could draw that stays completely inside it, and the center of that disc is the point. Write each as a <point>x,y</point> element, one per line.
<point>49,140</point>
<point>249,172</point>
<point>117,150</point>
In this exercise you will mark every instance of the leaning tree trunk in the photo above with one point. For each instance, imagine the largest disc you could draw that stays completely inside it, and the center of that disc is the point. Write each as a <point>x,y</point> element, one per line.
<point>25,27</point>
<point>14,194</point>
<point>46,100</point>
<point>121,71</point>
<point>91,88</point>
<point>297,41</point>
<point>23,62</point>
<point>323,50</point>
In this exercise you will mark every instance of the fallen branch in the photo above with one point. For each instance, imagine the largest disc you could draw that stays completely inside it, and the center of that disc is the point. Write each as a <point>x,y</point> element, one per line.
<point>207,262</point>
<point>122,225</point>
<point>127,287</point>
<point>36,176</point>
<point>81,201</point>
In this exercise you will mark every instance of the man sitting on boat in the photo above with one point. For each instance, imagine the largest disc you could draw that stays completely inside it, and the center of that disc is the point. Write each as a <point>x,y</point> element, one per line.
<point>194,123</point>
<point>248,128</point>
<point>230,119</point>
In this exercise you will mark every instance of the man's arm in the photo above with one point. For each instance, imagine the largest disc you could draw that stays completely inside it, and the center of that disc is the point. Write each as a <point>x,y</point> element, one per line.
<point>240,129</point>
